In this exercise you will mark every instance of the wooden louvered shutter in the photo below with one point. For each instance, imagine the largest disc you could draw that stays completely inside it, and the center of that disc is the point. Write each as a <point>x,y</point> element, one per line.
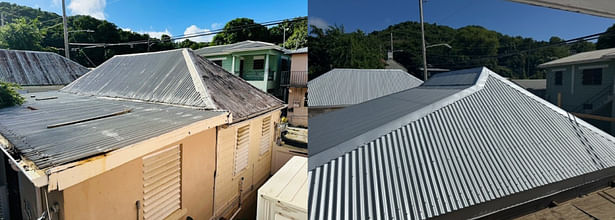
<point>242,148</point>
<point>161,183</point>
<point>265,135</point>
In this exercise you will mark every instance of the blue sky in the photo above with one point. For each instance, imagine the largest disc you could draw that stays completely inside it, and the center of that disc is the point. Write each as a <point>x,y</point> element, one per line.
<point>503,16</point>
<point>174,17</point>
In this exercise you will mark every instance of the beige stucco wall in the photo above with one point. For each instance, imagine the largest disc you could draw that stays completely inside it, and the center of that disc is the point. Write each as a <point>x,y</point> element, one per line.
<point>227,186</point>
<point>299,114</point>
<point>299,62</point>
<point>113,194</point>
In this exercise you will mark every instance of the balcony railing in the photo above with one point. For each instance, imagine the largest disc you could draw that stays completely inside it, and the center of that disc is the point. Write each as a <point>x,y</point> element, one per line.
<point>256,75</point>
<point>293,78</point>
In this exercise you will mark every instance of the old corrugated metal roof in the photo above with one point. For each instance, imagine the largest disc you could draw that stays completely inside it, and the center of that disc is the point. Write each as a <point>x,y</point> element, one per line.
<point>27,129</point>
<point>585,57</point>
<point>296,51</point>
<point>34,68</point>
<point>177,77</point>
<point>247,45</point>
<point>479,145</point>
<point>343,87</point>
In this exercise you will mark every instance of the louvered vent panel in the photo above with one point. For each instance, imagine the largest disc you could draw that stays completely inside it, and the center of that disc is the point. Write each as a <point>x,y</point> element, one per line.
<point>266,135</point>
<point>161,184</point>
<point>242,148</point>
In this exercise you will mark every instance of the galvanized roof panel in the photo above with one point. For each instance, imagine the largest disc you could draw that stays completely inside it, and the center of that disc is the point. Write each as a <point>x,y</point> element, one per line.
<point>585,57</point>
<point>30,68</point>
<point>236,47</point>
<point>27,129</point>
<point>343,87</point>
<point>494,141</point>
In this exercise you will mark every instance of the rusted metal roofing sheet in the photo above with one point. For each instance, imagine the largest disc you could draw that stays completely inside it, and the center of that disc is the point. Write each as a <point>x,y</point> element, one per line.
<point>177,77</point>
<point>343,87</point>
<point>34,68</point>
<point>483,144</point>
<point>27,129</point>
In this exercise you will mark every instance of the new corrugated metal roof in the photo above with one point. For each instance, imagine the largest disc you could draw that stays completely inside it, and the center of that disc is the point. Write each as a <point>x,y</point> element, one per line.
<point>27,129</point>
<point>479,145</point>
<point>236,47</point>
<point>585,57</point>
<point>177,77</point>
<point>343,87</point>
<point>30,68</point>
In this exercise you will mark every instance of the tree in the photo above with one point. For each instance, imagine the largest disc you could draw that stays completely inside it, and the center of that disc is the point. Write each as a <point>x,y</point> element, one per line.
<point>9,95</point>
<point>241,29</point>
<point>21,35</point>
<point>607,40</point>
<point>298,39</point>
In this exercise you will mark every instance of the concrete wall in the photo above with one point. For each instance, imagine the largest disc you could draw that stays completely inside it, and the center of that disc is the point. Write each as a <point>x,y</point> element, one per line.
<point>229,187</point>
<point>296,101</point>
<point>113,194</point>
<point>299,62</point>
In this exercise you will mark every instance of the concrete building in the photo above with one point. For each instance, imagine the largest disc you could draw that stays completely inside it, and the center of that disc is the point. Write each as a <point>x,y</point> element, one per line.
<point>162,135</point>
<point>37,71</point>
<point>259,63</point>
<point>583,83</point>
<point>340,88</point>
<point>465,144</point>
<point>295,83</point>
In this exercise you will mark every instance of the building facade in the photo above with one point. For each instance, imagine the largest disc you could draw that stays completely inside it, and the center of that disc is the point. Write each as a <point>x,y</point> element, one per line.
<point>259,63</point>
<point>295,84</point>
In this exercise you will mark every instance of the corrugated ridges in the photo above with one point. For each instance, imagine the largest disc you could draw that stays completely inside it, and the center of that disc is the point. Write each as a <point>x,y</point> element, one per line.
<point>30,68</point>
<point>495,142</point>
<point>236,47</point>
<point>343,87</point>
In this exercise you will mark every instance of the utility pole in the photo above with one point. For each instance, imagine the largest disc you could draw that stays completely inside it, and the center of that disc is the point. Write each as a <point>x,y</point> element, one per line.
<point>391,41</point>
<point>66,49</point>
<point>423,37</point>
<point>2,18</point>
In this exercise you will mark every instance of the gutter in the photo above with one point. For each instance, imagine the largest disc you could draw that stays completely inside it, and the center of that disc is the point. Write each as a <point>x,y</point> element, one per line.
<point>38,177</point>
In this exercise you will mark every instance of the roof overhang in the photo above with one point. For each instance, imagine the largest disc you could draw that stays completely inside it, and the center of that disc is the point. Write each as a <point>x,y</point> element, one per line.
<point>231,51</point>
<point>602,8</point>
<point>601,59</point>
<point>67,175</point>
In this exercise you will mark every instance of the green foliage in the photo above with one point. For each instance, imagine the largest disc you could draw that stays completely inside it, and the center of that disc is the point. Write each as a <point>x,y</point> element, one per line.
<point>191,44</point>
<point>9,95</point>
<point>21,35</point>
<point>607,40</point>
<point>241,29</point>
<point>472,46</point>
<point>298,37</point>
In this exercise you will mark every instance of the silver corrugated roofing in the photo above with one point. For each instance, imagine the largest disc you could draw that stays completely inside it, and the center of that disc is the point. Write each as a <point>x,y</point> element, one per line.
<point>585,57</point>
<point>27,129</point>
<point>34,68</point>
<point>177,77</point>
<point>478,146</point>
<point>300,50</point>
<point>343,87</point>
<point>236,47</point>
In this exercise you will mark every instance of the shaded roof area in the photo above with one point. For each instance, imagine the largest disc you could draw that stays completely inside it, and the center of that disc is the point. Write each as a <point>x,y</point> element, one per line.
<point>237,47</point>
<point>477,140</point>
<point>596,205</point>
<point>343,87</point>
<point>585,57</point>
<point>178,77</point>
<point>392,64</point>
<point>535,84</point>
<point>27,129</point>
<point>602,8</point>
<point>34,68</point>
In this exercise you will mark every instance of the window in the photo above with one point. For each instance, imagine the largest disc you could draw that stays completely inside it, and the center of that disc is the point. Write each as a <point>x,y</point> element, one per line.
<point>242,149</point>
<point>161,183</point>
<point>265,135</point>
<point>592,76</point>
<point>305,100</point>
<point>558,77</point>
<point>258,64</point>
<point>218,62</point>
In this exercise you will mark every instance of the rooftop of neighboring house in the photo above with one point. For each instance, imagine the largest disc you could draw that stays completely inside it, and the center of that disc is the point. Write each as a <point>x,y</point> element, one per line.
<point>480,142</point>
<point>298,51</point>
<point>242,46</point>
<point>585,57</point>
<point>36,68</point>
<point>126,100</point>
<point>344,87</point>
<point>535,84</point>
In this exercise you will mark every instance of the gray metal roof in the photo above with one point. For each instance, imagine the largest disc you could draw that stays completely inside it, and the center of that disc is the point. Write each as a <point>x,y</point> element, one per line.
<point>585,57</point>
<point>237,47</point>
<point>177,77</point>
<point>343,87</point>
<point>536,84</point>
<point>300,50</point>
<point>31,68</point>
<point>27,129</point>
<point>472,146</point>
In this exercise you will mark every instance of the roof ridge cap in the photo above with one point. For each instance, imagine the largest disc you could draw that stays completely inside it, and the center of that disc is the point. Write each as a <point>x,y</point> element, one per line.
<point>197,80</point>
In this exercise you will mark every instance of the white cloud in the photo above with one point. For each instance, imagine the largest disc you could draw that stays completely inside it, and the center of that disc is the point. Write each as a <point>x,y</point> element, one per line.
<point>215,26</point>
<point>126,29</point>
<point>193,29</point>
<point>318,22</point>
<point>94,8</point>
<point>156,34</point>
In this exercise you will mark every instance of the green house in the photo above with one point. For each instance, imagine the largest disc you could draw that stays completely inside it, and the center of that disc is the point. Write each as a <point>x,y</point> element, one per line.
<point>583,84</point>
<point>259,63</point>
